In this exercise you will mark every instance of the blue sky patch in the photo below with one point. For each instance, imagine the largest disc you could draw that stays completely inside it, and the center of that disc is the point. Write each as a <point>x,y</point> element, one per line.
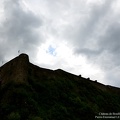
<point>51,50</point>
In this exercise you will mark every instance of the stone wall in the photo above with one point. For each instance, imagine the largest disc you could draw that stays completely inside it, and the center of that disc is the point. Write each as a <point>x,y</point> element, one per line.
<point>15,70</point>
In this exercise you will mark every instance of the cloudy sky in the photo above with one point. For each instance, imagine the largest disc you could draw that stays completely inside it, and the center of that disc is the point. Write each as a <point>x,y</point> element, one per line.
<point>78,36</point>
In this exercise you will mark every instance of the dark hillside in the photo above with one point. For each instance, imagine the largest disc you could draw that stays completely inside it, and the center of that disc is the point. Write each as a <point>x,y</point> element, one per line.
<point>28,92</point>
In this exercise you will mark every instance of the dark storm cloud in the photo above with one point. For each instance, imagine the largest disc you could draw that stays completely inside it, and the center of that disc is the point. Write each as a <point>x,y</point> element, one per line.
<point>85,28</point>
<point>89,40</point>
<point>110,43</point>
<point>97,36</point>
<point>18,30</point>
<point>95,16</point>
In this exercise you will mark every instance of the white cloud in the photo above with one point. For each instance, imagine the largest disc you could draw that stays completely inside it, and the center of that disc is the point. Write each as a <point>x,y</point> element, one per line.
<point>18,30</point>
<point>78,36</point>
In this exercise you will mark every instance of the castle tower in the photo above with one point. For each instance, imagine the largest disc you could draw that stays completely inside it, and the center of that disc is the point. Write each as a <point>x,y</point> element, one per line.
<point>15,70</point>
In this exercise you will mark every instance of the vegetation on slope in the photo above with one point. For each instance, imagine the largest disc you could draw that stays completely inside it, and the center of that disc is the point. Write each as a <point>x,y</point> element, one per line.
<point>54,95</point>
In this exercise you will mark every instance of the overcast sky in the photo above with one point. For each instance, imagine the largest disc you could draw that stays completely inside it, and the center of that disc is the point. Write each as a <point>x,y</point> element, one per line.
<point>78,36</point>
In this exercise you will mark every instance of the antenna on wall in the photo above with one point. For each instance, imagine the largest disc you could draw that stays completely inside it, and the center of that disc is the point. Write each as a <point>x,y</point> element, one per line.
<point>18,51</point>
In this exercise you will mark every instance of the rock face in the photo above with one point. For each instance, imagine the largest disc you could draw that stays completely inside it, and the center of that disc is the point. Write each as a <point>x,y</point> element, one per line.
<point>15,70</point>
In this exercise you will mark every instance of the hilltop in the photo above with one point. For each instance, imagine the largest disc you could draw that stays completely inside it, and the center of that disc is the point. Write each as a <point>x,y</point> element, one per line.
<point>29,92</point>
